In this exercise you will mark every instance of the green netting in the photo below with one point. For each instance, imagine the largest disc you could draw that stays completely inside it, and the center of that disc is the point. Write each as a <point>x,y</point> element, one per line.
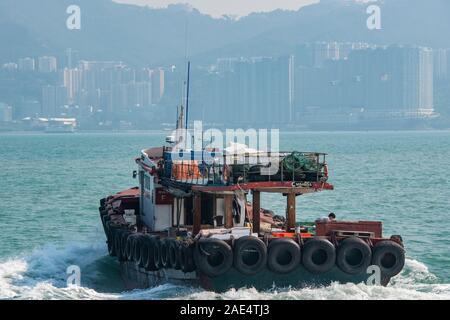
<point>299,162</point>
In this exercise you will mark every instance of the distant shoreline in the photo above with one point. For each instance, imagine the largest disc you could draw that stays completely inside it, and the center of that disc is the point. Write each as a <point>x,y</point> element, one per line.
<point>162,132</point>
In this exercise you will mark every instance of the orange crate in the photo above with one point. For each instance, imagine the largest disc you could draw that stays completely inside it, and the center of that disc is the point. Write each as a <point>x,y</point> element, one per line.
<point>283,234</point>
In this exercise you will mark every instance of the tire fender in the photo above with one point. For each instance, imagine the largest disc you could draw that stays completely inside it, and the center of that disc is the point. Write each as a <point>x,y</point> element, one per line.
<point>284,255</point>
<point>319,255</point>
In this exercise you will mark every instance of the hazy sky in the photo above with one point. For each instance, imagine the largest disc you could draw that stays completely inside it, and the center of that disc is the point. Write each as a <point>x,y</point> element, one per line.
<point>217,8</point>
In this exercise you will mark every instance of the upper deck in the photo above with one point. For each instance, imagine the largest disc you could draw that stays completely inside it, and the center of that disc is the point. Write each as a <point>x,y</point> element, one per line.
<point>214,171</point>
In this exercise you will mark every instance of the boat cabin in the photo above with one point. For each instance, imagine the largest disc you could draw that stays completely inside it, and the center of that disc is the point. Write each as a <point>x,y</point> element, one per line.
<point>207,190</point>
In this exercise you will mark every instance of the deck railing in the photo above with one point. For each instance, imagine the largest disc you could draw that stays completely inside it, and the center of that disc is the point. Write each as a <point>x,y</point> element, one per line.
<point>214,168</point>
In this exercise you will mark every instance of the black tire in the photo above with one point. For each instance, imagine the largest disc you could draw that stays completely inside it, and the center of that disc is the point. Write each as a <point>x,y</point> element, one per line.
<point>354,256</point>
<point>213,257</point>
<point>147,253</point>
<point>138,244</point>
<point>109,242</point>
<point>284,255</point>
<point>105,219</point>
<point>102,211</point>
<point>250,255</point>
<point>390,257</point>
<point>319,255</point>
<point>186,257</point>
<point>164,247</point>
<point>173,254</point>
<point>111,232</point>
<point>157,254</point>
<point>123,245</point>
<point>118,244</point>
<point>131,242</point>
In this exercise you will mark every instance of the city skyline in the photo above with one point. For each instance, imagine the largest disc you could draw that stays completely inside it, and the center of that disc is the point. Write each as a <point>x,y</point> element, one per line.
<point>237,8</point>
<point>361,80</point>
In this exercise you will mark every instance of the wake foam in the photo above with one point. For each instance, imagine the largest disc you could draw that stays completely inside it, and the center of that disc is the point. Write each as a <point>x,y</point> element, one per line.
<point>42,275</point>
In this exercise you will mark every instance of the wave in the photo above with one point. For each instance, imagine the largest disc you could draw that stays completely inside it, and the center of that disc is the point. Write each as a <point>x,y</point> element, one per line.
<point>42,275</point>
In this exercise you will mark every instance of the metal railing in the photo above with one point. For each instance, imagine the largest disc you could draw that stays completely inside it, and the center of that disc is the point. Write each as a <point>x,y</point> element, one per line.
<point>227,169</point>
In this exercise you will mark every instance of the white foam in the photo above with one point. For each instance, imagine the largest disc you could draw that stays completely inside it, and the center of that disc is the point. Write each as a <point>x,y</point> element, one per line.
<point>415,283</point>
<point>41,275</point>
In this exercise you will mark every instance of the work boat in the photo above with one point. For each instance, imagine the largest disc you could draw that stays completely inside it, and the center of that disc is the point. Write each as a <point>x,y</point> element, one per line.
<point>198,221</point>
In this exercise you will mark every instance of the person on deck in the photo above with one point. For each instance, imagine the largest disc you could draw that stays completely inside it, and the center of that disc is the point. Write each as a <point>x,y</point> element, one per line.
<point>331,218</point>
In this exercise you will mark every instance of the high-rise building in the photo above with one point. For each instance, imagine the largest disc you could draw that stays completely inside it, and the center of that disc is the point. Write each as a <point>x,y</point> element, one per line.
<point>10,66</point>
<point>158,85</point>
<point>373,80</point>
<point>49,101</point>
<point>143,92</point>
<point>47,64</point>
<point>441,64</point>
<point>71,79</point>
<point>316,54</point>
<point>226,64</point>
<point>6,112</point>
<point>143,75</point>
<point>426,84</point>
<point>258,91</point>
<point>71,58</point>
<point>26,64</point>
<point>62,97</point>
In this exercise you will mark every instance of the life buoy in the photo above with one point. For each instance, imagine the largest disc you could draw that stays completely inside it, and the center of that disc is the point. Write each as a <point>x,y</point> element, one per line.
<point>173,254</point>
<point>319,255</point>
<point>186,257</point>
<point>390,257</point>
<point>213,257</point>
<point>147,253</point>
<point>284,255</point>
<point>250,255</point>
<point>354,256</point>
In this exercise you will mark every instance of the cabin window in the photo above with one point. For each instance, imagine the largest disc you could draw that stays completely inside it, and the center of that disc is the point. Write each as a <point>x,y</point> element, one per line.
<point>141,179</point>
<point>147,183</point>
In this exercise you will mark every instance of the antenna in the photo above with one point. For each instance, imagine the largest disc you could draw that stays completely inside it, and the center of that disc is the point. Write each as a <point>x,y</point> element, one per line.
<point>187,94</point>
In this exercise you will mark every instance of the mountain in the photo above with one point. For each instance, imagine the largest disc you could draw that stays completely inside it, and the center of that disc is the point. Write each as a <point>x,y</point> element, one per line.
<point>145,36</point>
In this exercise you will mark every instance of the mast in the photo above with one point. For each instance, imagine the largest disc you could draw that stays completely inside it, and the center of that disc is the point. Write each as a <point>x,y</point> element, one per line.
<point>187,94</point>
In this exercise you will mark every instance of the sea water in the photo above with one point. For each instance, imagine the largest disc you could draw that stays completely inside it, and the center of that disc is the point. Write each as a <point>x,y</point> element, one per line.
<point>50,186</point>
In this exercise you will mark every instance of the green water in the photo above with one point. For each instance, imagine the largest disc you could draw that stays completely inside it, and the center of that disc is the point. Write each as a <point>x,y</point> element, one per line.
<point>50,186</point>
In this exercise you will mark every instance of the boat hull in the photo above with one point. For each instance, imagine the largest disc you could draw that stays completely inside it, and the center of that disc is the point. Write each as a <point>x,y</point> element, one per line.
<point>138,278</point>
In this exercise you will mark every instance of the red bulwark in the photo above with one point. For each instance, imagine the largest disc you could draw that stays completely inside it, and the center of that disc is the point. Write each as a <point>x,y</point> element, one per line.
<point>315,186</point>
<point>129,193</point>
<point>326,228</point>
